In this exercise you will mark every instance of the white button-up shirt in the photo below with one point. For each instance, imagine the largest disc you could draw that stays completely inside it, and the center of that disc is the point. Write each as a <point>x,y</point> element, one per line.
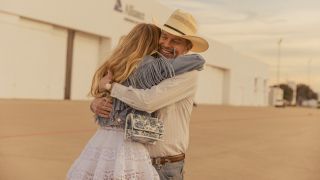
<point>173,98</point>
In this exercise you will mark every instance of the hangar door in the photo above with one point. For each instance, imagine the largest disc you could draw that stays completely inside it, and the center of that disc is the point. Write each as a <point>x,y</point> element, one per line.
<point>212,86</point>
<point>32,58</point>
<point>89,51</point>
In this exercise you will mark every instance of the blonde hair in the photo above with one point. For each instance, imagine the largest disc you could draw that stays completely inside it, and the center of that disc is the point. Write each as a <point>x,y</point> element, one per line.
<point>142,40</point>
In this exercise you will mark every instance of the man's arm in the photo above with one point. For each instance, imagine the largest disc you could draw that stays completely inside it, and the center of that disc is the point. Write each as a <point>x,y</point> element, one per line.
<point>167,92</point>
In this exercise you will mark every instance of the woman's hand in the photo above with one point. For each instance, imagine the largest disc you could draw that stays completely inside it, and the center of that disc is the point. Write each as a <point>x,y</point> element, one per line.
<point>107,79</point>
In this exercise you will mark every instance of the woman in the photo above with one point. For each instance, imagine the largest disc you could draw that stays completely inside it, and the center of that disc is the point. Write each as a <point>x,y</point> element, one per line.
<point>132,63</point>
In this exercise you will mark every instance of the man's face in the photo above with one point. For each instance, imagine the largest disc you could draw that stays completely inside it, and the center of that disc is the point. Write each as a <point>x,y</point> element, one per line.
<point>172,46</point>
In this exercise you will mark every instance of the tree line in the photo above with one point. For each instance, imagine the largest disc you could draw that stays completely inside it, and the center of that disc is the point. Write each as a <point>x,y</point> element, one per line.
<point>303,92</point>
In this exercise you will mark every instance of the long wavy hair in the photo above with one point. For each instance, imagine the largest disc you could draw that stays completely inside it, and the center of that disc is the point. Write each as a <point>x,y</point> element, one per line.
<point>142,40</point>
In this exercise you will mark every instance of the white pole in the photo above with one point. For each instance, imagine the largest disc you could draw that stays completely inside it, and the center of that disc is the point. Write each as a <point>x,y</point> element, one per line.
<point>279,58</point>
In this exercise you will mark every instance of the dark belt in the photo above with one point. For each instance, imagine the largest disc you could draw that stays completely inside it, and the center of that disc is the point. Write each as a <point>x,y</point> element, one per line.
<point>167,159</point>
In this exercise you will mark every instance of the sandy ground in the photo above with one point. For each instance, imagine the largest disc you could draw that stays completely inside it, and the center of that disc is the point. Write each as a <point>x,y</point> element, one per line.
<point>40,139</point>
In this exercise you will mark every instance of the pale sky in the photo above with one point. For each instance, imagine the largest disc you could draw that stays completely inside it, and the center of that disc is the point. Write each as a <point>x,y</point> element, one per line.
<point>254,27</point>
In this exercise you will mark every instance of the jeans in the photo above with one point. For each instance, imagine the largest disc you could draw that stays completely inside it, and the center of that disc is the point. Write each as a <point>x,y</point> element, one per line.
<point>171,171</point>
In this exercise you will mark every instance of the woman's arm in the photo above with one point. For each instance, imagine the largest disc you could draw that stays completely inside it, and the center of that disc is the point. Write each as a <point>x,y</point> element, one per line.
<point>167,92</point>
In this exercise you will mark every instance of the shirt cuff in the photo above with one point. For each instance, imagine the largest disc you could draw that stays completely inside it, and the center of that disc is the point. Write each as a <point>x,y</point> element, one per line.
<point>117,90</point>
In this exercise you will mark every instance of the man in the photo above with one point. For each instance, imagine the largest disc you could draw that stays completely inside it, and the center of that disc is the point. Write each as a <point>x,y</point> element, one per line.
<point>173,98</point>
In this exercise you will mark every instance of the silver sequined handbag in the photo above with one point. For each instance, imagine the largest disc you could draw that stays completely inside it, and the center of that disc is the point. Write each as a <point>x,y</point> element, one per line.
<point>143,128</point>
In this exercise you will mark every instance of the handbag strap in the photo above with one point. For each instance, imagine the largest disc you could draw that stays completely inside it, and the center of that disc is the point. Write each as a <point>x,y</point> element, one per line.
<point>142,112</point>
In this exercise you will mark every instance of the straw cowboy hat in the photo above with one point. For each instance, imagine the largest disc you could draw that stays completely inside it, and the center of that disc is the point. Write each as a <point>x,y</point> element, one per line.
<point>183,24</point>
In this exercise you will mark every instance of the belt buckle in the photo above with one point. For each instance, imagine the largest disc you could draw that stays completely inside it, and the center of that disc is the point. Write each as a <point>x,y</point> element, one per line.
<point>157,161</point>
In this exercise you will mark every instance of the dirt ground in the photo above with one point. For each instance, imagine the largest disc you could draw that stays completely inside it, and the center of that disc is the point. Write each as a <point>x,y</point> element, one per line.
<point>40,139</point>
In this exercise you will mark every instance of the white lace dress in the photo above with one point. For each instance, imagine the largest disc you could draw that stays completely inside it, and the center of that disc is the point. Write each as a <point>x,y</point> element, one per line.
<point>108,156</point>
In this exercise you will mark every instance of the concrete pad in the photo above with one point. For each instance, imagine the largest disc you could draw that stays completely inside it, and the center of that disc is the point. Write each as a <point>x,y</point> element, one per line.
<point>40,139</point>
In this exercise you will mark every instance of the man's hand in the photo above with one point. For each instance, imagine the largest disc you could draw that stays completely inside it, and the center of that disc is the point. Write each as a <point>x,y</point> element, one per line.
<point>101,106</point>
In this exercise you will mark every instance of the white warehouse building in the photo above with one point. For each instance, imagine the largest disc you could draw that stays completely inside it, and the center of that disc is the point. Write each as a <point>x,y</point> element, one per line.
<point>50,49</point>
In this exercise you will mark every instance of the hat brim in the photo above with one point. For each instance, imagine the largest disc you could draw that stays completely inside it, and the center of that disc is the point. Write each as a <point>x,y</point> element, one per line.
<point>199,44</point>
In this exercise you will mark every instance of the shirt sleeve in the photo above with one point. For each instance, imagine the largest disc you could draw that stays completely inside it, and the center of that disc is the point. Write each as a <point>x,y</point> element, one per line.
<point>165,93</point>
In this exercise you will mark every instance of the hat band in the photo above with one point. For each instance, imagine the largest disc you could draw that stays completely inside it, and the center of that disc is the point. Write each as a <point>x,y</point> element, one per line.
<point>166,25</point>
